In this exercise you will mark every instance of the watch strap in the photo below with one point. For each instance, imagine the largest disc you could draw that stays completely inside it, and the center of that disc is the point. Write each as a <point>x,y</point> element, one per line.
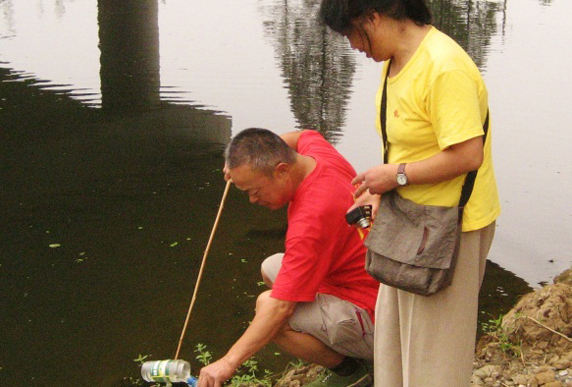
<point>401,177</point>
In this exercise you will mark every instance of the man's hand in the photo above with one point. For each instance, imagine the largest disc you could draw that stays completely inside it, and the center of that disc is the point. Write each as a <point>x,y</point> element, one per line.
<point>226,172</point>
<point>215,374</point>
<point>271,315</point>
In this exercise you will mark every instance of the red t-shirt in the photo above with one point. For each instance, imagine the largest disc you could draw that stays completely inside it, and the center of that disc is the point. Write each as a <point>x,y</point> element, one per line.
<point>323,254</point>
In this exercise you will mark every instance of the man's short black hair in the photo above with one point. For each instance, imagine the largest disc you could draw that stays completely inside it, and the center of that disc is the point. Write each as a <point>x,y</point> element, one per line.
<point>259,148</point>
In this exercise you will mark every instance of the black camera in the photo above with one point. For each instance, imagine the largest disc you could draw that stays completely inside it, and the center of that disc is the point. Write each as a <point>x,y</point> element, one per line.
<point>360,216</point>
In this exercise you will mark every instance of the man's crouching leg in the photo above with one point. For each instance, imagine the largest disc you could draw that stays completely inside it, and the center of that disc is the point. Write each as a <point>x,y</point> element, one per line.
<point>329,332</point>
<point>303,345</point>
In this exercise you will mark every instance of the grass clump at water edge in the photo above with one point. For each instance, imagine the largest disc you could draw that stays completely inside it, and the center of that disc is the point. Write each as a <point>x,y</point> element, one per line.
<point>248,374</point>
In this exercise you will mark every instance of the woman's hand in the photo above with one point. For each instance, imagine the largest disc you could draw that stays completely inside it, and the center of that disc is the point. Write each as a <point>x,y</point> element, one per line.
<point>451,162</point>
<point>376,180</point>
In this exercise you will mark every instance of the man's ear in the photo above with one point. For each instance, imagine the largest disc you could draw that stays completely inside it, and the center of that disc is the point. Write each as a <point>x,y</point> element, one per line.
<point>282,170</point>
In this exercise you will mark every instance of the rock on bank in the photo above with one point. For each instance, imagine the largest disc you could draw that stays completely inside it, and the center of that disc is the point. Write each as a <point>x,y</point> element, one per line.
<point>532,346</point>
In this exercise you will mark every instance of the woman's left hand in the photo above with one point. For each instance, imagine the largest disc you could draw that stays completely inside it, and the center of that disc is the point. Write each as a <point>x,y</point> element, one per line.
<point>376,180</point>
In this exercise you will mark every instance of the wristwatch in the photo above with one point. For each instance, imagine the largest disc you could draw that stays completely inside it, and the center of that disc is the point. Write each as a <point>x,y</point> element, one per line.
<point>401,176</point>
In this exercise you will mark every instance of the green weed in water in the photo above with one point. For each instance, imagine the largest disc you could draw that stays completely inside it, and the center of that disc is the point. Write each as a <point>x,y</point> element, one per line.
<point>248,373</point>
<point>204,356</point>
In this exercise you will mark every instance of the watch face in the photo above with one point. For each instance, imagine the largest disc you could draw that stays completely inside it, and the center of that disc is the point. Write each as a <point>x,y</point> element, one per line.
<point>401,179</point>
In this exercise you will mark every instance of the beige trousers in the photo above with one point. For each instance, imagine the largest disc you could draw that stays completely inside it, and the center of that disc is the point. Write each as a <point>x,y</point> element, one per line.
<point>430,341</point>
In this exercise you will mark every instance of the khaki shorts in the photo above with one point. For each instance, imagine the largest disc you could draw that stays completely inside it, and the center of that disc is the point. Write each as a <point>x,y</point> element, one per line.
<point>339,324</point>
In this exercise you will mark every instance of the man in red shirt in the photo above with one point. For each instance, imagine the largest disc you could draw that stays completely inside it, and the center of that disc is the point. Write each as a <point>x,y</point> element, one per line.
<point>321,304</point>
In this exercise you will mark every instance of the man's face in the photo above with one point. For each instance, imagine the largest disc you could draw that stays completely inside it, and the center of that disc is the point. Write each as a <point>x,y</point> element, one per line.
<point>271,192</point>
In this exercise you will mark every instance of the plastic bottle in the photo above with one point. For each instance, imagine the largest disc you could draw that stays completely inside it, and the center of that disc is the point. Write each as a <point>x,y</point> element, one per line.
<point>168,371</point>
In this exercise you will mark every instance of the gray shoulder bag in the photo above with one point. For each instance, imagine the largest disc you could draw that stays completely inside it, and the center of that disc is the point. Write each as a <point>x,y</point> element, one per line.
<point>414,247</point>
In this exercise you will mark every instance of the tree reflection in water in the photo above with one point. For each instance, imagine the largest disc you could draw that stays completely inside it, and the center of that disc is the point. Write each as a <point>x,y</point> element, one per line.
<point>317,66</point>
<point>470,23</point>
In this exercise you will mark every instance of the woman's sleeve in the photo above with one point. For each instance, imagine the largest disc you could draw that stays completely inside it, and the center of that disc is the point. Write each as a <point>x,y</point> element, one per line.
<point>454,108</point>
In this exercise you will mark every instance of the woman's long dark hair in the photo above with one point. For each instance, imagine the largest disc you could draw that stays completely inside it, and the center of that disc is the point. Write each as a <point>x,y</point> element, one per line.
<point>338,14</point>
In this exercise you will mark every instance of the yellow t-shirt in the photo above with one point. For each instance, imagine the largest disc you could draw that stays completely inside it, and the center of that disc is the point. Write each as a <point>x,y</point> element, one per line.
<point>437,100</point>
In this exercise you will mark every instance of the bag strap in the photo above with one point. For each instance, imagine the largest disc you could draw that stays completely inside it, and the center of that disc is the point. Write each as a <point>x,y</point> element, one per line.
<point>383,116</point>
<point>467,189</point>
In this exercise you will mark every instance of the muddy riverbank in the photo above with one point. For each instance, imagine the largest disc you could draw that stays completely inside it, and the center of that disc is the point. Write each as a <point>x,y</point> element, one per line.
<point>532,344</point>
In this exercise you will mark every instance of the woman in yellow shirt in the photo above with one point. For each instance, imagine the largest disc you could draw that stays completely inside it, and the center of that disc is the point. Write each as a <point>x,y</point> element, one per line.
<point>437,105</point>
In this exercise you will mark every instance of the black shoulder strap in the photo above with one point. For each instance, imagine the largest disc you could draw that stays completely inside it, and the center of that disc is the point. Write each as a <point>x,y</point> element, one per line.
<point>383,116</point>
<point>467,189</point>
<point>472,176</point>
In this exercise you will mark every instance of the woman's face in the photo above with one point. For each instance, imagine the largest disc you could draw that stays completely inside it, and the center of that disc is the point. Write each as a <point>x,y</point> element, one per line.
<point>360,41</point>
<point>367,36</point>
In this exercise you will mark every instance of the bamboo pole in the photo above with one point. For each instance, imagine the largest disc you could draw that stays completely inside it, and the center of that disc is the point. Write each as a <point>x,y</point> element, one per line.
<point>193,299</point>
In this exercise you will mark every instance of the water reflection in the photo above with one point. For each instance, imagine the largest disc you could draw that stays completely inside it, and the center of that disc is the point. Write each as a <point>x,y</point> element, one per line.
<point>98,213</point>
<point>316,66</point>
<point>96,207</point>
<point>129,44</point>
<point>8,13</point>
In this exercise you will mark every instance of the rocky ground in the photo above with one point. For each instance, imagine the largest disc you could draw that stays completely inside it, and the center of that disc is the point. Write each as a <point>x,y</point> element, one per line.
<point>532,345</point>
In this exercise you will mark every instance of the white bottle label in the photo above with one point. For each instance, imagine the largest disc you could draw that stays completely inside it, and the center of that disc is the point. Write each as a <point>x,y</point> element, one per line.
<point>160,371</point>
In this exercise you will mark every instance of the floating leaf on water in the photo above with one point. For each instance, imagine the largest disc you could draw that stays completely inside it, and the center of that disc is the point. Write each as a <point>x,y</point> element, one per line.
<point>54,245</point>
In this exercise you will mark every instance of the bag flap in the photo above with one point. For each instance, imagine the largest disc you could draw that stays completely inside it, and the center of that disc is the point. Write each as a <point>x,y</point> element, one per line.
<point>415,234</point>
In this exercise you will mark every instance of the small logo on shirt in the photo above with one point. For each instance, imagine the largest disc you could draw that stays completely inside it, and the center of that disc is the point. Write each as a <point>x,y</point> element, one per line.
<point>396,113</point>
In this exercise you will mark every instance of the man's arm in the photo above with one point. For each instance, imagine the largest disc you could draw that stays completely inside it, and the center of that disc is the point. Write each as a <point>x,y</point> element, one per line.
<point>271,315</point>
<point>291,138</point>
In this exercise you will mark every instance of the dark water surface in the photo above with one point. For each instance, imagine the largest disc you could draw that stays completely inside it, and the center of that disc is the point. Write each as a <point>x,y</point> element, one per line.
<point>113,117</point>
